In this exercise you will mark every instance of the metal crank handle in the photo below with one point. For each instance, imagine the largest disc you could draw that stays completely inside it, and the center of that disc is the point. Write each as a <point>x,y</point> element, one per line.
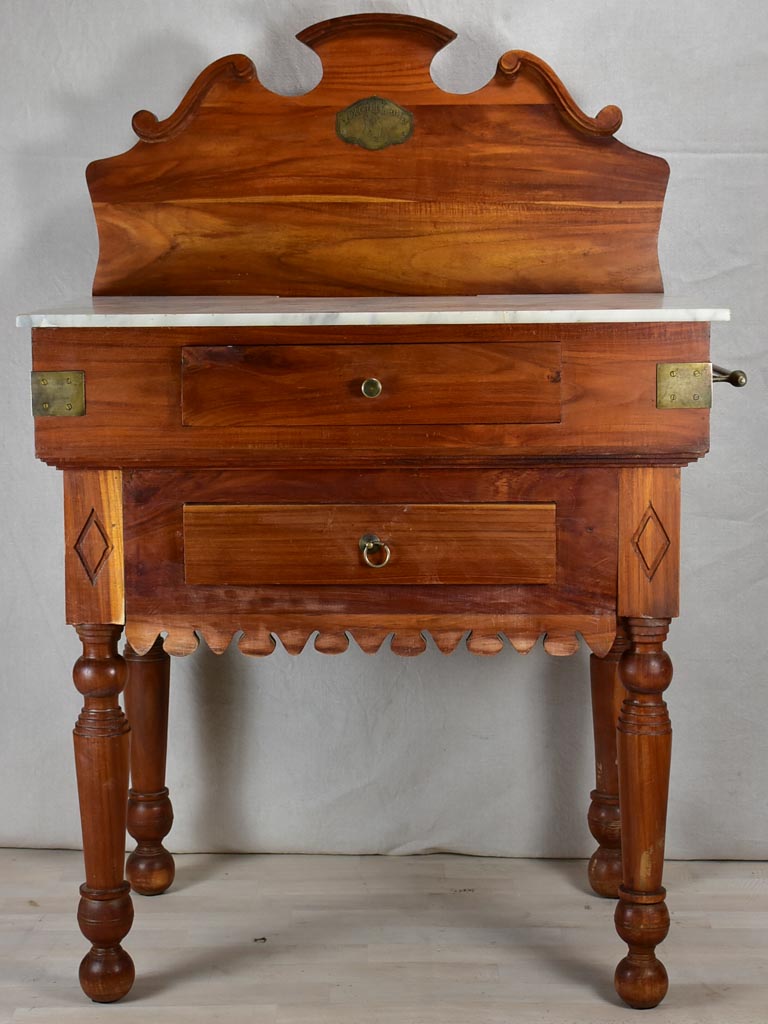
<point>720,375</point>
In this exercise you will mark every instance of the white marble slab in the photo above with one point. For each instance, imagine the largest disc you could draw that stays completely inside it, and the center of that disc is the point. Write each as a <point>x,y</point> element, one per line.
<point>272,311</point>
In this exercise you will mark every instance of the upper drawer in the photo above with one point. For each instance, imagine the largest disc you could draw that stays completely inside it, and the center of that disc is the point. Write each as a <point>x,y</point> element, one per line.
<point>355,385</point>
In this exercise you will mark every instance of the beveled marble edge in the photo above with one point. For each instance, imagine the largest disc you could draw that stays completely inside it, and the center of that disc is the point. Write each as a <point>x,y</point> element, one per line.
<point>272,311</point>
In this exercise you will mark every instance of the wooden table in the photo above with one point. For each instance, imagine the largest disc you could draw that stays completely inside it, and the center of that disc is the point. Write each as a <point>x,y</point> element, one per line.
<point>391,457</point>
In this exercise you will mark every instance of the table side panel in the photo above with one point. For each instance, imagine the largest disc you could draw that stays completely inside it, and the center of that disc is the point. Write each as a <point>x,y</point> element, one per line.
<point>93,546</point>
<point>584,587</point>
<point>608,388</point>
<point>649,541</point>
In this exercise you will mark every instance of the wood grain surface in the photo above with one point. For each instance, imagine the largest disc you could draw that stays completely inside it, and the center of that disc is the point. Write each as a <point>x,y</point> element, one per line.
<point>93,546</point>
<point>150,868</point>
<point>302,385</point>
<point>604,816</point>
<point>649,541</point>
<point>607,388</point>
<point>319,544</point>
<point>644,743</point>
<point>102,743</point>
<point>581,597</point>
<point>511,188</point>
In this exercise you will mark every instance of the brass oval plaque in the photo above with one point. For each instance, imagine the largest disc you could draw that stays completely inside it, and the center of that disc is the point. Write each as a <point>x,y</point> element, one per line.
<point>374,123</point>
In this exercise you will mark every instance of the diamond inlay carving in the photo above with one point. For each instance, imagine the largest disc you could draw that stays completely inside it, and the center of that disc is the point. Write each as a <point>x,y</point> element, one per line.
<point>651,542</point>
<point>93,546</point>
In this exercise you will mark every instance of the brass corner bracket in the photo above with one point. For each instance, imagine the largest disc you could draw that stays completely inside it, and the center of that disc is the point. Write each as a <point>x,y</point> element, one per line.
<point>58,393</point>
<point>683,385</point>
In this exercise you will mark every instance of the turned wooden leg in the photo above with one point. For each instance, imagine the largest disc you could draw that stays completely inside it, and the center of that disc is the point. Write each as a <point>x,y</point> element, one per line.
<point>101,735</point>
<point>150,868</point>
<point>644,746</point>
<point>604,820</point>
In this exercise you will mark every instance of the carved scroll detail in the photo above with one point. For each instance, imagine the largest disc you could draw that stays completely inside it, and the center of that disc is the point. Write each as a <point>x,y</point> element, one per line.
<point>229,212</point>
<point>150,129</point>
<point>608,120</point>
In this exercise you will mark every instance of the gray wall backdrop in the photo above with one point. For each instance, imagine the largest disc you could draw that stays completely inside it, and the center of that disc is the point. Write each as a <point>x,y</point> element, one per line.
<point>359,754</point>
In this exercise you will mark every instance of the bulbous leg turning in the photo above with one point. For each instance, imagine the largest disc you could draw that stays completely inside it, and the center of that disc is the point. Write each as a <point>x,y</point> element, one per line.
<point>101,738</point>
<point>604,869</point>
<point>105,917</point>
<point>644,747</point>
<point>604,817</point>
<point>150,868</point>
<point>641,979</point>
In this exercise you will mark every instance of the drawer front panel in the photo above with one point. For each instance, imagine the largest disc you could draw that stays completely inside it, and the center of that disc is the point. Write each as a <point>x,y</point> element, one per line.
<point>320,544</point>
<point>355,385</point>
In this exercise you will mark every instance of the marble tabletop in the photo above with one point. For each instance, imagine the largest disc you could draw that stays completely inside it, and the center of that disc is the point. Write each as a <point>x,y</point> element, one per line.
<point>273,311</point>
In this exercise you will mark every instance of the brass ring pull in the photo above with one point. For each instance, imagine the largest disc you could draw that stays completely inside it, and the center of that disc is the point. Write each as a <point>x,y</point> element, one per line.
<point>371,387</point>
<point>370,544</point>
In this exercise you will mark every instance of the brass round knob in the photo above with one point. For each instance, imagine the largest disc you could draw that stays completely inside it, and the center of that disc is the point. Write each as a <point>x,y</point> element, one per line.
<point>371,548</point>
<point>371,387</point>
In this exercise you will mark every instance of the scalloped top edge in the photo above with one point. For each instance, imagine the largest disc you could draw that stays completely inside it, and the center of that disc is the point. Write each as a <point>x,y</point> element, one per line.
<point>150,129</point>
<point>318,33</point>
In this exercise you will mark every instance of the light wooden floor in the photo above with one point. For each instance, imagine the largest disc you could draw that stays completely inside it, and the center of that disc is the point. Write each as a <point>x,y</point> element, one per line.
<point>382,940</point>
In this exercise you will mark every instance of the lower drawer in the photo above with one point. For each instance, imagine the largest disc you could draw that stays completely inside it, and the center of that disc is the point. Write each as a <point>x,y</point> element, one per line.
<point>369,544</point>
